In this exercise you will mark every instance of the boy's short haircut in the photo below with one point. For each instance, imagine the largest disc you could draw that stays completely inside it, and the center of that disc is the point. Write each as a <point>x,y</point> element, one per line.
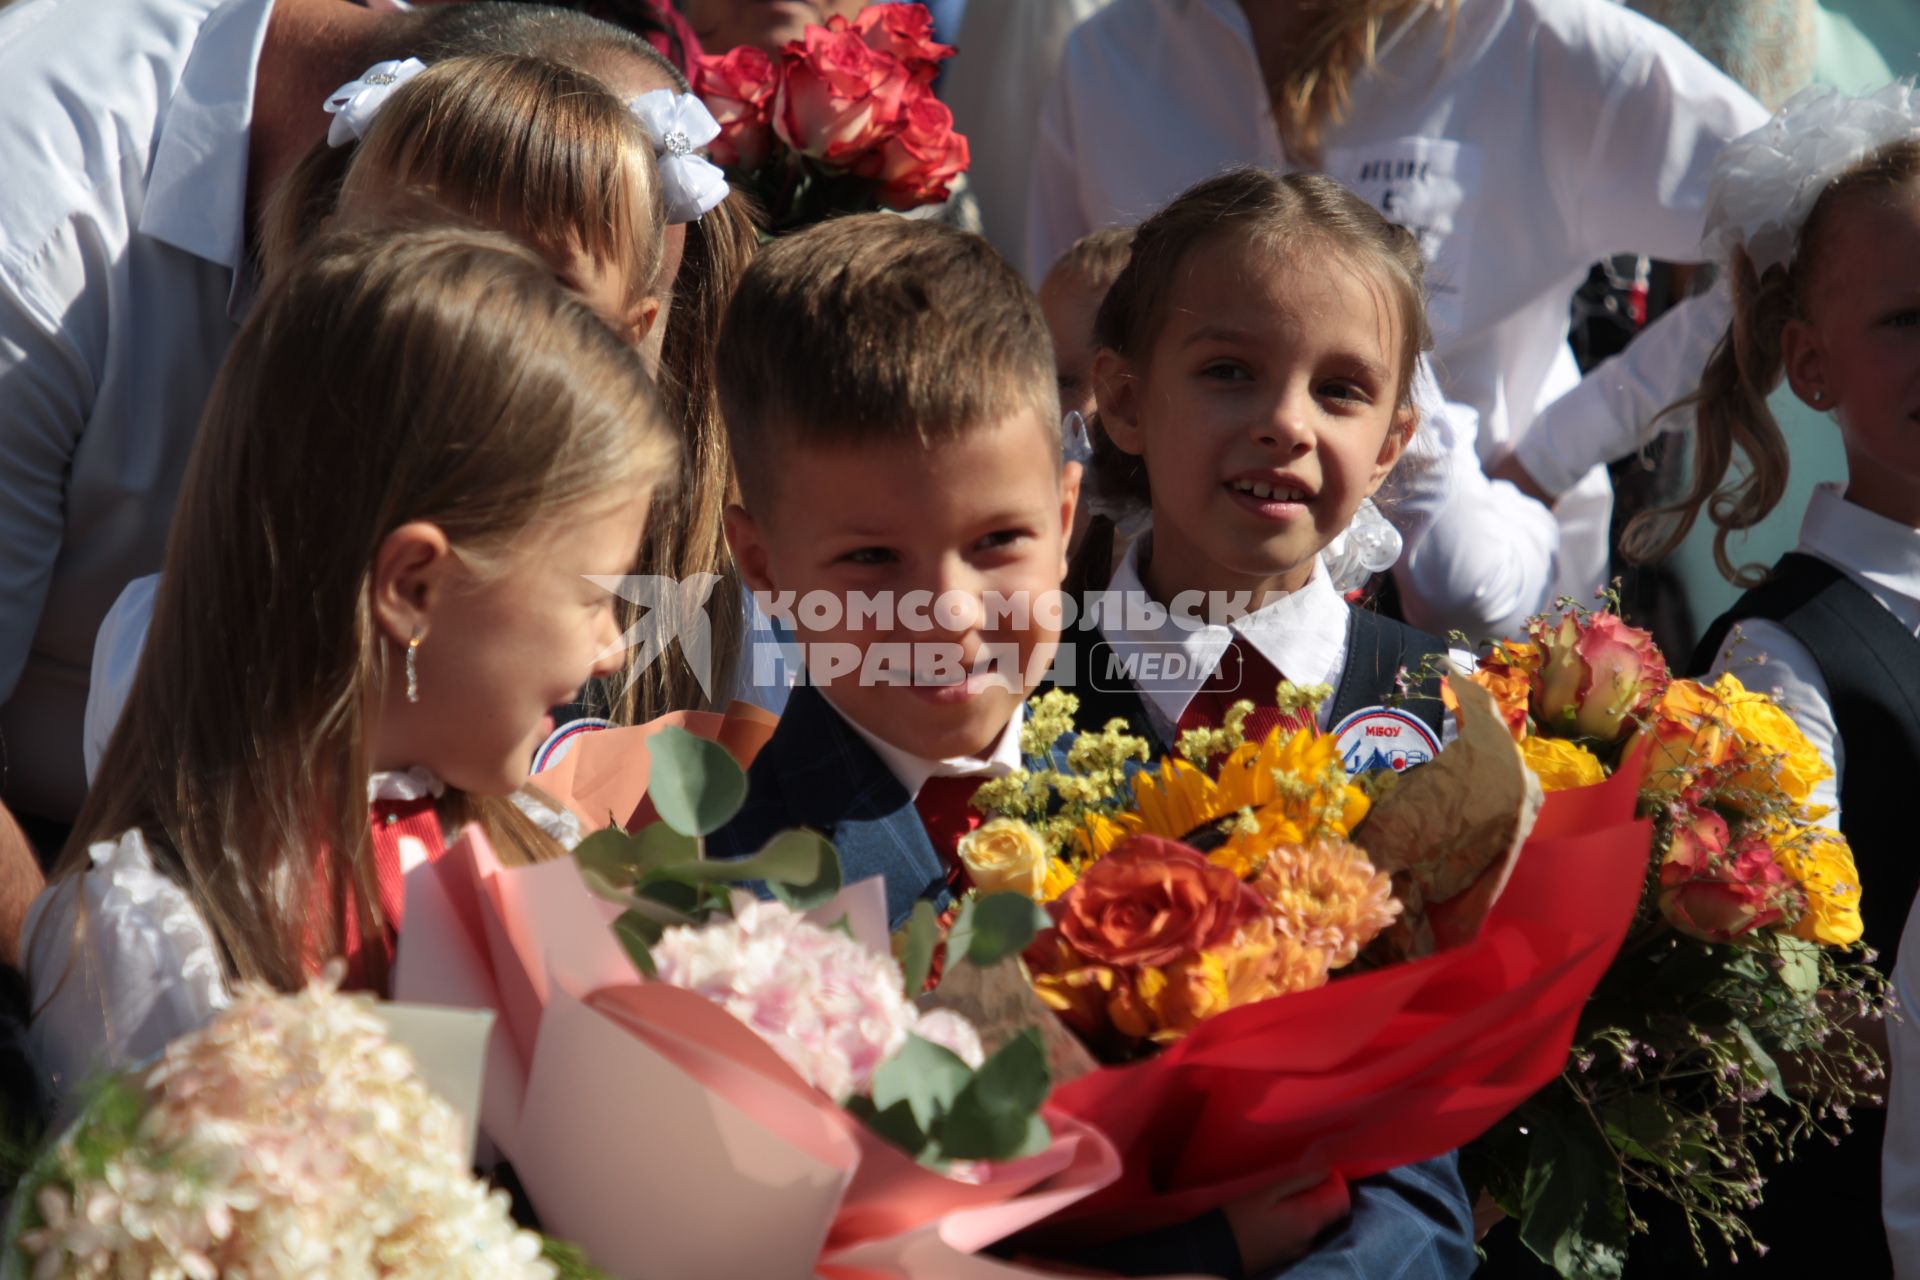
<point>877,328</point>
<point>1097,258</point>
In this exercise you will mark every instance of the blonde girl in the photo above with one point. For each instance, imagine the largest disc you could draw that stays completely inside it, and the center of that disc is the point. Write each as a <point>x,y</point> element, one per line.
<point>1520,140</point>
<point>1818,213</point>
<point>373,592</point>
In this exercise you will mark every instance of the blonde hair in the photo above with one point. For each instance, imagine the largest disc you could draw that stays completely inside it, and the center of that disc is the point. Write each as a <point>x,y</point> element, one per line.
<point>431,375</point>
<point>1275,211</point>
<point>1336,41</point>
<point>513,142</point>
<point>877,329</point>
<point>688,538</point>
<point>1730,408</point>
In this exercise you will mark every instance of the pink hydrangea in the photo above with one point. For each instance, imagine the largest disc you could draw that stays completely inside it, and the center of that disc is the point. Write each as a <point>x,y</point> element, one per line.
<point>831,1008</point>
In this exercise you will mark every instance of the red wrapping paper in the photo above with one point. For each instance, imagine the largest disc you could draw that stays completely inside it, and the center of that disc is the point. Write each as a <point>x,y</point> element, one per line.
<point>1379,1069</point>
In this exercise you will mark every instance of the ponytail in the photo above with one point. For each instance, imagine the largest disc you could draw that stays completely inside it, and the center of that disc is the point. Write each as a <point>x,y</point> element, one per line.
<point>1730,407</point>
<point>1730,411</point>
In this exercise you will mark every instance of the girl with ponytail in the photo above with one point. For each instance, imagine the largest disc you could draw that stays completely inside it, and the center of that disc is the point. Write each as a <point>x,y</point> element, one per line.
<point>1818,214</point>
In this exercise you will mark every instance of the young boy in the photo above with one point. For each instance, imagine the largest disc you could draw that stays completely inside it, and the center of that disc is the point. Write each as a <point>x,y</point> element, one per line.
<point>890,399</point>
<point>889,393</point>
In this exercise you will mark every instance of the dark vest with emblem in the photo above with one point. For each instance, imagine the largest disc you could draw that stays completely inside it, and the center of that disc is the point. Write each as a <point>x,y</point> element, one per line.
<point>1378,650</point>
<point>1871,665</point>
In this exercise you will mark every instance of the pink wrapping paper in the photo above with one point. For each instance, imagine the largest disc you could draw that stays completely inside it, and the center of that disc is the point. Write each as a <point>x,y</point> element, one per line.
<point>648,1125</point>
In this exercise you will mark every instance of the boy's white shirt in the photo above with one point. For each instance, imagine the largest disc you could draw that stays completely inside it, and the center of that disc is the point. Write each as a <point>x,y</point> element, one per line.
<point>1883,557</point>
<point>912,771</point>
<point>1546,134</point>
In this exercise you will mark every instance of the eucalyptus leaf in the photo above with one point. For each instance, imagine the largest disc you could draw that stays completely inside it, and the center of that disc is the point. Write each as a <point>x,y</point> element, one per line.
<point>894,1123</point>
<point>658,845</point>
<point>1003,925</point>
<point>638,934</point>
<point>803,891</point>
<point>695,784</point>
<point>924,1075</point>
<point>923,928</point>
<point>611,854</point>
<point>996,1116</point>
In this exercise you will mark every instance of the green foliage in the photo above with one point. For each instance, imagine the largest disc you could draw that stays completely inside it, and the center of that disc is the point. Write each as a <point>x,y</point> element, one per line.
<point>988,930</point>
<point>694,783</point>
<point>931,1104</point>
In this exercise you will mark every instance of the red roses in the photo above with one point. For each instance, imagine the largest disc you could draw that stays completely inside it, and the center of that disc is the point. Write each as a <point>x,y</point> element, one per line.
<point>852,99</point>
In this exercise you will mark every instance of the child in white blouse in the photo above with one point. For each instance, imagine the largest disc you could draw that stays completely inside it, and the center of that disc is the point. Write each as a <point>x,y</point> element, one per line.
<point>1819,214</point>
<point>1521,140</point>
<point>419,445</point>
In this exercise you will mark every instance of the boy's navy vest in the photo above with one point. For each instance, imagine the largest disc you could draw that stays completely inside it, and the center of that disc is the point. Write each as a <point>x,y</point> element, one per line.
<point>1378,649</point>
<point>1872,668</point>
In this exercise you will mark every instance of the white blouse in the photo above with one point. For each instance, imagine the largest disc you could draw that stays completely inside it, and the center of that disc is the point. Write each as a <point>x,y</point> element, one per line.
<point>120,961</point>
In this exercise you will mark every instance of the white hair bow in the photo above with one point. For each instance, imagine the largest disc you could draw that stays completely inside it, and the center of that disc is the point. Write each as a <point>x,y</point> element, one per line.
<point>680,125</point>
<point>1767,182</point>
<point>354,105</point>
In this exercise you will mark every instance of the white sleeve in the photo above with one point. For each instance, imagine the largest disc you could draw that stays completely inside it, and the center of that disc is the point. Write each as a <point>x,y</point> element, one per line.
<point>1632,119</point>
<point>1478,555</point>
<point>46,392</point>
<point>116,657</point>
<point>1900,1157</point>
<point>1055,217</point>
<point>1611,413</point>
<point>1766,659</point>
<point>120,962</point>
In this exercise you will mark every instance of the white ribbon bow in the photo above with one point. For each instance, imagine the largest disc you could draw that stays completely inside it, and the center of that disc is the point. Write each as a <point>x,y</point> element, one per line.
<point>680,125</point>
<point>1766,183</point>
<point>354,105</point>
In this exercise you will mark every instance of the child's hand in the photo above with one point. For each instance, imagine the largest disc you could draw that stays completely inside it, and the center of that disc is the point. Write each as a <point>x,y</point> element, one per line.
<point>1281,1223</point>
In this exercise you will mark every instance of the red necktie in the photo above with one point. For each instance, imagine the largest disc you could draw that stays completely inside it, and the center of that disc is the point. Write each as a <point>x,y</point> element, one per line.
<point>947,811</point>
<point>1243,675</point>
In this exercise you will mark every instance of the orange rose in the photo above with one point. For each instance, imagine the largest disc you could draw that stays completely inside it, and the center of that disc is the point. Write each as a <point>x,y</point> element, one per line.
<point>1151,902</point>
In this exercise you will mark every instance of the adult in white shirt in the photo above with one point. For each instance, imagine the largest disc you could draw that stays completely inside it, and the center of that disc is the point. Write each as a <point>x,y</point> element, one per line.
<point>136,136</point>
<point>1522,140</point>
<point>1009,53</point>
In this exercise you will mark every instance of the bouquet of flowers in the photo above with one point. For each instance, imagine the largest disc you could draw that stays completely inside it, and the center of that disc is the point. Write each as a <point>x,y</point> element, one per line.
<point>287,1138</point>
<point>1736,976</point>
<point>1197,910</point>
<point>842,121</point>
<point>648,1006</point>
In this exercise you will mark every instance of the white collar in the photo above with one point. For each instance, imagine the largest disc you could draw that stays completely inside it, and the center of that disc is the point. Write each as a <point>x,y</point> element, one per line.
<point>404,784</point>
<point>1303,634</point>
<point>196,197</point>
<point>1870,547</point>
<point>912,771</point>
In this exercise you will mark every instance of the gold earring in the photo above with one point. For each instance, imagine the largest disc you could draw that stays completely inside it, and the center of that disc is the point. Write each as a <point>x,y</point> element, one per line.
<point>413,666</point>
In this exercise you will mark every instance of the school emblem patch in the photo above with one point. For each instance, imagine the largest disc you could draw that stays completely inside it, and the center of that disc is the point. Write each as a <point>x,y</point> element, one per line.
<point>1374,738</point>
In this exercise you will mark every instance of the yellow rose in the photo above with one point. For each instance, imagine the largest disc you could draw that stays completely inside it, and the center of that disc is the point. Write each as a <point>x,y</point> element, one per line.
<point>1684,733</point>
<point>1784,760</point>
<point>1006,856</point>
<point>1562,765</point>
<point>1823,864</point>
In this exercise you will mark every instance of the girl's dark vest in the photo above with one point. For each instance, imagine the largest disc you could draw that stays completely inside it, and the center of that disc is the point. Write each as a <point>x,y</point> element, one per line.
<point>1871,665</point>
